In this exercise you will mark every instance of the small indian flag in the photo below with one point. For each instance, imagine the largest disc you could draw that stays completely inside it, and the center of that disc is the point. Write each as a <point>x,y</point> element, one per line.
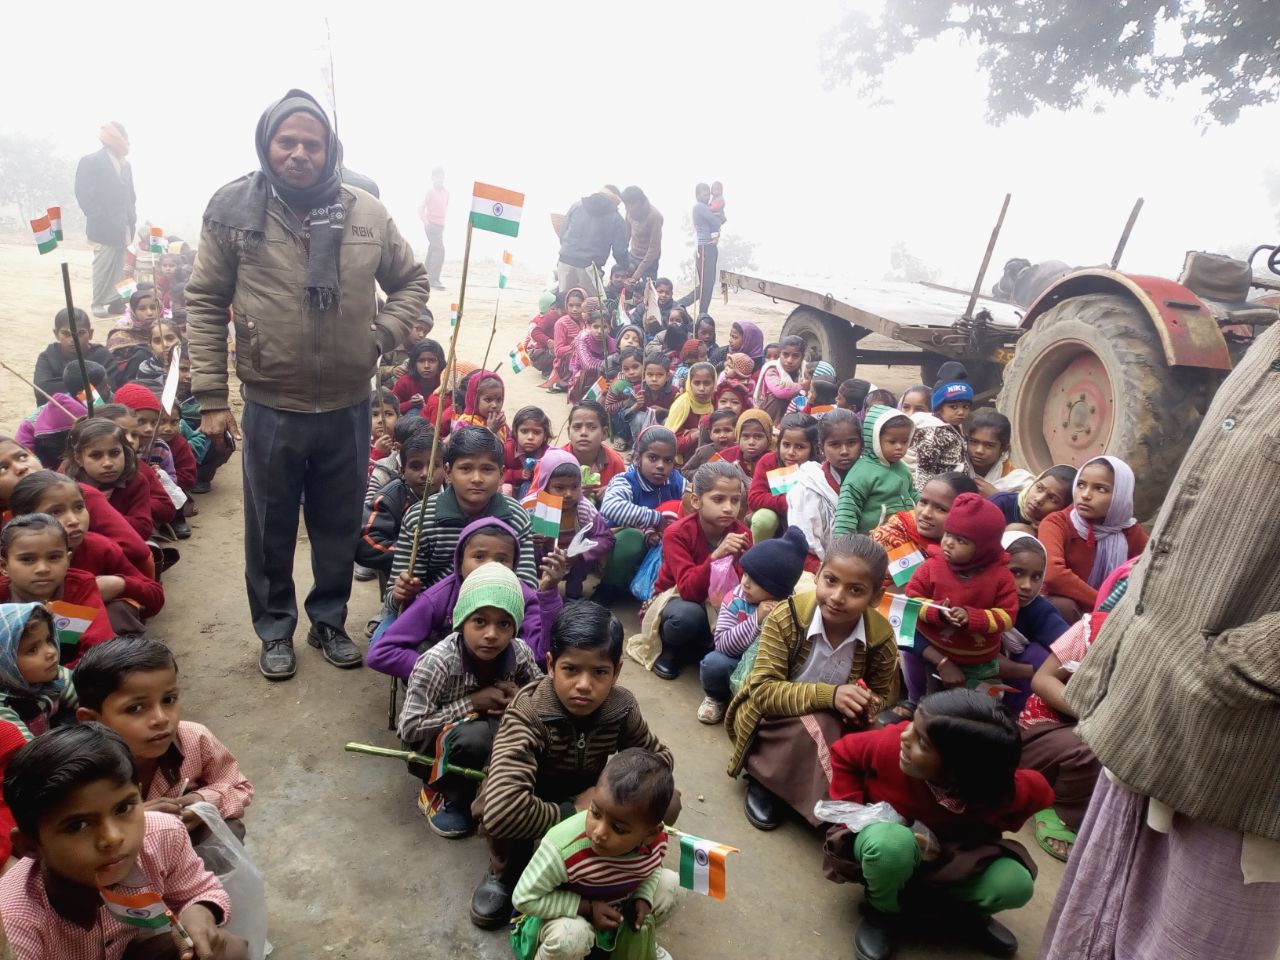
<point>902,614</point>
<point>505,275</point>
<point>45,238</point>
<point>453,314</point>
<point>496,209</point>
<point>55,222</point>
<point>545,513</point>
<point>126,288</point>
<point>145,910</point>
<point>520,358</point>
<point>783,479</point>
<point>903,561</point>
<point>702,865</point>
<point>158,243</point>
<point>597,390</point>
<point>71,620</point>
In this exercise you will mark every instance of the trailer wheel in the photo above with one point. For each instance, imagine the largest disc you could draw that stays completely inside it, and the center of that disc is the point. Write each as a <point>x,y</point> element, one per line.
<point>984,376</point>
<point>1090,378</point>
<point>827,337</point>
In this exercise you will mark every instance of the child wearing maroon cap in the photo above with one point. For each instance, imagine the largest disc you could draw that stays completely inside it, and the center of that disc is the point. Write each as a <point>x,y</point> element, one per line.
<point>974,597</point>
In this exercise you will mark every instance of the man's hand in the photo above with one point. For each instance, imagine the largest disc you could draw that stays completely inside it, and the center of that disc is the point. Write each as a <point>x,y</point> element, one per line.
<point>215,423</point>
<point>642,910</point>
<point>600,914</point>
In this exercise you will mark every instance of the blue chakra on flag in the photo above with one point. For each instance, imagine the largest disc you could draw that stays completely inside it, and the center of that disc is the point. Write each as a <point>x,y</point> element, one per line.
<point>895,621</point>
<point>700,856</point>
<point>498,208</point>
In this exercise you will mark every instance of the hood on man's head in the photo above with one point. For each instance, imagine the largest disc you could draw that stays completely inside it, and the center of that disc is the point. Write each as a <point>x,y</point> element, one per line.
<point>601,203</point>
<point>296,101</point>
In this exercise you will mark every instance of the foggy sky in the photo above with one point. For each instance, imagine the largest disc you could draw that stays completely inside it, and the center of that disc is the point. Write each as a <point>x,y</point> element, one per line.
<point>555,99</point>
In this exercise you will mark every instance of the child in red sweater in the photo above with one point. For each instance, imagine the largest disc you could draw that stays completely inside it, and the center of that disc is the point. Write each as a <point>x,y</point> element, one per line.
<point>101,455</point>
<point>953,769</point>
<point>418,390</point>
<point>530,431</point>
<point>689,547</point>
<point>975,599</point>
<point>797,444</point>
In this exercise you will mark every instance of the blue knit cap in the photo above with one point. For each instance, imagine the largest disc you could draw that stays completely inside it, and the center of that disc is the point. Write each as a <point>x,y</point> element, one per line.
<point>13,620</point>
<point>957,391</point>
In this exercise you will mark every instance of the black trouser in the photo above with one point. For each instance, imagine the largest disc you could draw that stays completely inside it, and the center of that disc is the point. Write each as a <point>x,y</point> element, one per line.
<point>318,460</point>
<point>684,629</point>
<point>469,745</point>
<point>708,276</point>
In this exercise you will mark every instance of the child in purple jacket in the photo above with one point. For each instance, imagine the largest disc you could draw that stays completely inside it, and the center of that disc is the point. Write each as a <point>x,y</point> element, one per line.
<point>559,474</point>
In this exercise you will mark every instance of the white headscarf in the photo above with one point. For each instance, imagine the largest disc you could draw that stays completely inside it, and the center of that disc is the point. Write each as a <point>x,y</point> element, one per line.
<point>1112,548</point>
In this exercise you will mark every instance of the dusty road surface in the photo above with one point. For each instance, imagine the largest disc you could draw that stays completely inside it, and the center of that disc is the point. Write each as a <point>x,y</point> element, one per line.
<point>352,870</point>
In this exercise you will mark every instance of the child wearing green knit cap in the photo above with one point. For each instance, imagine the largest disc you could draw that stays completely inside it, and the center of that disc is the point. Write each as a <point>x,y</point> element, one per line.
<point>458,690</point>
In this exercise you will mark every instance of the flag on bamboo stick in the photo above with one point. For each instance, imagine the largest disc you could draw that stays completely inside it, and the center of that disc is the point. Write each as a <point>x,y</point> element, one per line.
<point>453,314</point>
<point>520,358</point>
<point>443,742</point>
<point>496,209</point>
<point>45,239</point>
<point>902,614</point>
<point>157,242</point>
<point>651,309</point>
<point>702,865</point>
<point>145,910</point>
<point>126,288</point>
<point>903,561</point>
<point>544,510</point>
<point>505,275</point>
<point>597,390</point>
<point>70,620</point>
<point>55,222</point>
<point>783,479</point>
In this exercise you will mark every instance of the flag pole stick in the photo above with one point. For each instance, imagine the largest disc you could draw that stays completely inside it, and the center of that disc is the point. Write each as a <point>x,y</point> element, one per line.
<point>48,398</point>
<point>412,757</point>
<point>75,339</point>
<point>493,332</point>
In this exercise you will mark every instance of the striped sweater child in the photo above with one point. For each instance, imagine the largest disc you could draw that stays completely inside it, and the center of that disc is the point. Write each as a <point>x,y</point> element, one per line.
<point>631,501</point>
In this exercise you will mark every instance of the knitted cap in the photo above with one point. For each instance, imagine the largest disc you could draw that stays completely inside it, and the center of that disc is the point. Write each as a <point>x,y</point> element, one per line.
<point>980,521</point>
<point>490,585</point>
<point>739,365</point>
<point>137,397</point>
<point>954,392</point>
<point>776,565</point>
<point>545,301</point>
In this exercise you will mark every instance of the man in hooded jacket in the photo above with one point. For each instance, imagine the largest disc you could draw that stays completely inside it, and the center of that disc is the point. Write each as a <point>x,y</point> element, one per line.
<point>592,229</point>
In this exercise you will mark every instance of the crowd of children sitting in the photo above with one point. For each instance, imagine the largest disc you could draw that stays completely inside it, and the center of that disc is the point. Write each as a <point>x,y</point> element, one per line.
<point>764,513</point>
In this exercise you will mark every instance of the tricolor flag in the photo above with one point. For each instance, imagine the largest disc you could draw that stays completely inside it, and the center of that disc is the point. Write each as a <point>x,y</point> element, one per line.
<point>544,510</point>
<point>783,479</point>
<point>126,288</point>
<point>651,309</point>
<point>158,243</point>
<point>71,620</point>
<point>597,390</point>
<point>903,561</point>
<point>453,314</point>
<point>702,864</point>
<point>520,358</point>
<point>496,209</point>
<point>505,275</point>
<point>55,222</point>
<point>902,614</point>
<point>145,910</point>
<point>715,458</point>
<point>45,239</point>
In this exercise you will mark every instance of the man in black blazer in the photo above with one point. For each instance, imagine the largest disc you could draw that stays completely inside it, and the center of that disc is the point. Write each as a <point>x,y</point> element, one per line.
<point>104,190</point>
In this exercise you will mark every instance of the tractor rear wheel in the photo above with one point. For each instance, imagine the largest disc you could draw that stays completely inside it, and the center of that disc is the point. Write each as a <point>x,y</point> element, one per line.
<point>826,337</point>
<point>1090,378</point>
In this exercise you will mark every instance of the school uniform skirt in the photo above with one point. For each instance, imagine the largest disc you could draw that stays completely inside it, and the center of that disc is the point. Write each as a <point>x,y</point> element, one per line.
<point>791,758</point>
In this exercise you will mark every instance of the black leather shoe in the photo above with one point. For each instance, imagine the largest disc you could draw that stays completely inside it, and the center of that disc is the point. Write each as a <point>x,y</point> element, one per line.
<point>992,937</point>
<point>761,807</point>
<point>335,645</point>
<point>873,939</point>
<point>202,486</point>
<point>491,903</point>
<point>667,666</point>
<point>181,529</point>
<point>276,661</point>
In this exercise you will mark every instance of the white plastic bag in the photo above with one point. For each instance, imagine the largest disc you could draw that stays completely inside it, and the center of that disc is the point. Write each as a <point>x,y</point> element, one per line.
<point>225,856</point>
<point>859,816</point>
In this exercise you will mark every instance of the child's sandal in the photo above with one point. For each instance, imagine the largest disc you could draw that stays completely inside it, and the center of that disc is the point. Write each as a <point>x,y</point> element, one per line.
<point>1049,826</point>
<point>710,711</point>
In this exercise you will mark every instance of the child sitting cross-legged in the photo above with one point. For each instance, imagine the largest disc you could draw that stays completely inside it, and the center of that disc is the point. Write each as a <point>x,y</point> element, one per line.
<point>952,769</point>
<point>588,428</point>
<point>35,690</point>
<point>597,878</point>
<point>459,689</point>
<point>554,740</point>
<point>130,684</point>
<point>81,828</point>
<point>623,391</point>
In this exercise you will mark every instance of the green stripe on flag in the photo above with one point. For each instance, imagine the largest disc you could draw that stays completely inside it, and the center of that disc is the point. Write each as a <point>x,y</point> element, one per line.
<point>688,857</point>
<point>483,221</point>
<point>47,246</point>
<point>160,922</point>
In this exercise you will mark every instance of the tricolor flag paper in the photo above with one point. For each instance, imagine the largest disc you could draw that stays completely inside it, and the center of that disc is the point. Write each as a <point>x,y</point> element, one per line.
<point>902,614</point>
<point>145,909</point>
<point>126,288</point>
<point>597,390</point>
<point>702,864</point>
<point>520,358</point>
<point>651,309</point>
<point>45,239</point>
<point>783,479</point>
<point>505,275</point>
<point>903,561</point>
<point>496,209</point>
<point>453,314</point>
<point>546,514</point>
<point>158,244</point>
<point>71,620</point>
<point>55,222</point>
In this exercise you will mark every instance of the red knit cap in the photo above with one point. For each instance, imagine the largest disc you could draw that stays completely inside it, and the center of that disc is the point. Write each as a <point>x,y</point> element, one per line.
<point>136,397</point>
<point>980,521</point>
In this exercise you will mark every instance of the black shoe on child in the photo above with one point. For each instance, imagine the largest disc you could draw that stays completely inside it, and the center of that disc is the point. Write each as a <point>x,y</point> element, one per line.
<point>276,661</point>
<point>202,486</point>
<point>335,645</point>
<point>667,666</point>
<point>181,529</point>
<point>761,807</point>
<point>491,903</point>
<point>873,939</point>
<point>991,937</point>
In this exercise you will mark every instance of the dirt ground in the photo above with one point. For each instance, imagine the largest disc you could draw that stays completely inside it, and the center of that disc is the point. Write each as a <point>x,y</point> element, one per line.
<point>352,870</point>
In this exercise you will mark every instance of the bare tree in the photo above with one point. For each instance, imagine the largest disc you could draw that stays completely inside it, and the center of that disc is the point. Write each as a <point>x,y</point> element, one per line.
<point>34,176</point>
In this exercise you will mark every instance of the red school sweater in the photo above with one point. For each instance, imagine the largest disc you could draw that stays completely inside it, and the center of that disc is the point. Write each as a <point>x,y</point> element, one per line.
<point>760,497</point>
<point>101,557</point>
<point>184,462</point>
<point>81,588</point>
<point>1071,558</point>
<point>989,595</point>
<point>133,502</point>
<point>107,521</point>
<point>686,558</point>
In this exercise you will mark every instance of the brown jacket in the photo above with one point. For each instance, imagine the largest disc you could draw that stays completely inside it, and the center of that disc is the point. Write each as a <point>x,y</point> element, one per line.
<point>1180,694</point>
<point>784,649</point>
<point>646,240</point>
<point>287,356</point>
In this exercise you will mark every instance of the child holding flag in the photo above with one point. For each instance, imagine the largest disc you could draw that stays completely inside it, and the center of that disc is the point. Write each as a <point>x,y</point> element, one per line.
<point>776,473</point>
<point>591,347</point>
<point>36,691</point>
<point>827,661</point>
<point>811,502</point>
<point>559,475</point>
<point>597,877</point>
<point>879,483</point>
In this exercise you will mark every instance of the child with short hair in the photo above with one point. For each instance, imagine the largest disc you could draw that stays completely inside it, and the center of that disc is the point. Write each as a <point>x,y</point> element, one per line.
<point>631,502</point>
<point>458,690</point>
<point>989,437</point>
<point>853,394</point>
<point>128,491</point>
<point>884,398</point>
<point>559,474</point>
<point>1026,647</point>
<point>483,404</point>
<point>779,379</point>
<point>878,485</point>
<point>384,516</point>
<point>552,744</point>
<point>530,434</point>
<point>954,769</point>
<point>84,776</point>
<point>655,396</point>
<point>36,692</point>
<point>916,399</point>
<point>974,598</point>
<point>718,430</point>
<point>812,501</point>
<point>384,411</point>
<point>567,328</point>
<point>754,439</point>
<point>770,572</point>
<point>630,337</point>
<point>685,416</point>
<point>57,355</point>
<point>130,685</point>
<point>621,398</point>
<point>588,427</point>
<point>388,468</point>
<point>797,444</point>
<point>419,390</point>
<point>951,403</point>
<point>597,877</point>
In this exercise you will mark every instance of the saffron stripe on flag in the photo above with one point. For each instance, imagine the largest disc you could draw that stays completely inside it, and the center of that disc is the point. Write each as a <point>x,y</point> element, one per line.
<point>902,613</point>
<point>903,561</point>
<point>783,479</point>
<point>702,865</point>
<point>487,191</point>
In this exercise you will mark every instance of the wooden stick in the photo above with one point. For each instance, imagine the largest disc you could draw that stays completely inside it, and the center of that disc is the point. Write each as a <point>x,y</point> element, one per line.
<point>409,755</point>
<point>1124,236</point>
<point>986,259</point>
<point>73,416</point>
<point>75,339</point>
<point>484,365</point>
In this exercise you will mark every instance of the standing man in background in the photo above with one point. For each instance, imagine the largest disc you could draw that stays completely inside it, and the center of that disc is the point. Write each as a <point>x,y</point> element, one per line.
<point>645,223</point>
<point>592,229</point>
<point>104,191</point>
<point>706,230</point>
<point>434,209</point>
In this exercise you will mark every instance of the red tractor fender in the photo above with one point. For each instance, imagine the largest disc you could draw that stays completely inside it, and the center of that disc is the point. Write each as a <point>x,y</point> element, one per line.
<point>1187,328</point>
